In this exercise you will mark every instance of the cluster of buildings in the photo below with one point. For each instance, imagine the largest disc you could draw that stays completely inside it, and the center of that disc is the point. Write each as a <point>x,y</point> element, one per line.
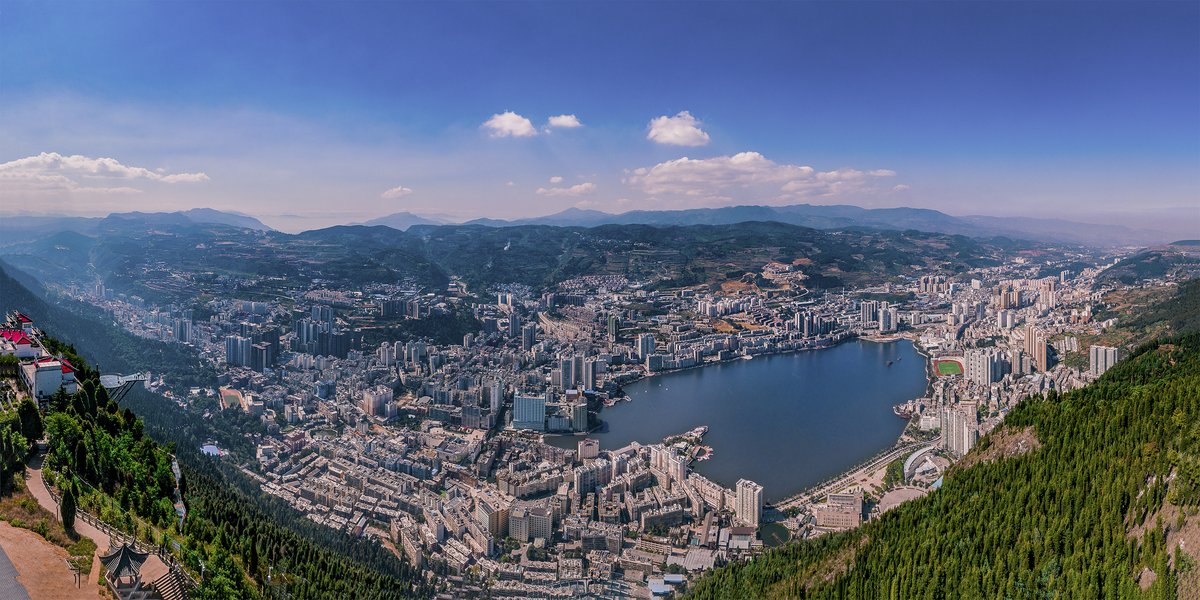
<point>41,373</point>
<point>1009,334</point>
<point>1008,331</point>
<point>442,446</point>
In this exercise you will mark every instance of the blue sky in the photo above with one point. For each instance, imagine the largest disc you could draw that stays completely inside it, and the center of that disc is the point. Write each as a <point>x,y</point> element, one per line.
<point>307,114</point>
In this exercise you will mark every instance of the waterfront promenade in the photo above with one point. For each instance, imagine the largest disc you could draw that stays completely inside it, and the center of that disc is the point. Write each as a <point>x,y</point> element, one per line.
<point>852,476</point>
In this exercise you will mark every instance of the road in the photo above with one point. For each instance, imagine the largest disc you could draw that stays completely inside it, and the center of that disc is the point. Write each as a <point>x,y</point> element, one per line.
<point>9,586</point>
<point>37,488</point>
<point>808,495</point>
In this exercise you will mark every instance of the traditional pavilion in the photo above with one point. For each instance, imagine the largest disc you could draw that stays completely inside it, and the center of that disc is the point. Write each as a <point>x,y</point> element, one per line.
<point>123,573</point>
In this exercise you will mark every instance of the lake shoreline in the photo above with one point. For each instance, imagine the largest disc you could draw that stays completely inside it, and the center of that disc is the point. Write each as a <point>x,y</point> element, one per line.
<point>842,406</point>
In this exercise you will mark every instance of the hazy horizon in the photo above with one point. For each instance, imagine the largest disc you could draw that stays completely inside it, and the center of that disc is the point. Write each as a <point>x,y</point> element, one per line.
<point>1183,227</point>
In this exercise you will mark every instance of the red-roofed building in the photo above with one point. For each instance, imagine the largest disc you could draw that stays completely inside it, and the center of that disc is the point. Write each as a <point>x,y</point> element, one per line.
<point>24,322</point>
<point>45,376</point>
<point>18,343</point>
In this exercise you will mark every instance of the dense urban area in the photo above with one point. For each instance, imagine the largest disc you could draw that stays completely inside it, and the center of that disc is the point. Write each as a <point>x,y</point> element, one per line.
<point>419,413</point>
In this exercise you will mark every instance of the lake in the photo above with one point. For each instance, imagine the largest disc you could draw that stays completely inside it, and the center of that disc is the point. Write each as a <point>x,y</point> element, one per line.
<point>786,421</point>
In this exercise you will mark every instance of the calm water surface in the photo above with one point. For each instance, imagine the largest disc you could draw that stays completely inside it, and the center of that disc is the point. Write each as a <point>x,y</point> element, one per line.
<point>786,421</point>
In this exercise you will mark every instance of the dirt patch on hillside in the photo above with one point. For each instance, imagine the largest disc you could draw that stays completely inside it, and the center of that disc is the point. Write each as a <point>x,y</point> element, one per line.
<point>826,571</point>
<point>1182,527</point>
<point>735,287</point>
<point>42,566</point>
<point>1146,578</point>
<point>1005,443</point>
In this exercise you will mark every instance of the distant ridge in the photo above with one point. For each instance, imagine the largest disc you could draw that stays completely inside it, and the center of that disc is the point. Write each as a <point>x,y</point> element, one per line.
<point>848,216</point>
<point>235,219</point>
<point>14,228</point>
<point>827,217</point>
<point>404,220</point>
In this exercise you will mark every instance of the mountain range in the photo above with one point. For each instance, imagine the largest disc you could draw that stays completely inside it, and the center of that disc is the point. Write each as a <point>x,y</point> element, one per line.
<point>829,217</point>
<point>16,227</point>
<point>826,217</point>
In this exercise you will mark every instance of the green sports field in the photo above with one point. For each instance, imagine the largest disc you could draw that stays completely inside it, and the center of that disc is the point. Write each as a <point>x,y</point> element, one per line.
<point>948,367</point>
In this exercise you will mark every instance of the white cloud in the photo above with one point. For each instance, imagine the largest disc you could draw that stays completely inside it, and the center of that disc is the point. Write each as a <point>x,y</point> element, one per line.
<point>510,183</point>
<point>107,190</point>
<point>509,124</point>
<point>53,172</point>
<point>701,176</point>
<point>754,175</point>
<point>556,179</point>
<point>396,192</point>
<point>575,190</point>
<point>564,122</point>
<point>900,187</point>
<point>680,130</point>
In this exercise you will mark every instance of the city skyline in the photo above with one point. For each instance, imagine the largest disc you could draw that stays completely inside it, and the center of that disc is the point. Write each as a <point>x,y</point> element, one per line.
<point>1077,110</point>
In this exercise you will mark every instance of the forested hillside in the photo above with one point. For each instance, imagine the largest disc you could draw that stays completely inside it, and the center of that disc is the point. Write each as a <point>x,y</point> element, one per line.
<point>1098,511</point>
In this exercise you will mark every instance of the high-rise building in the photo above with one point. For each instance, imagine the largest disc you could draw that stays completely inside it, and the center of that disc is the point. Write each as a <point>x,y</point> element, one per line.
<point>645,344</point>
<point>182,330</point>
<point>748,506</point>
<point>529,412</point>
<point>1035,346</point>
<point>868,312</point>
<point>261,356</point>
<point>518,523</point>
<point>566,366</point>
<point>614,327</point>
<point>960,428</point>
<point>238,351</point>
<point>577,369</point>
<point>1102,358</point>
<point>800,322</point>
<point>541,523</point>
<point>677,468</point>
<point>1006,319</point>
<point>495,393</point>
<point>528,337</point>
<point>588,380</point>
<point>579,416</point>
<point>591,476</point>
<point>889,320</point>
<point>984,366</point>
<point>527,523</point>
<point>491,511</point>
<point>386,354</point>
<point>589,448</point>
<point>932,284</point>
<point>375,400</point>
<point>323,314</point>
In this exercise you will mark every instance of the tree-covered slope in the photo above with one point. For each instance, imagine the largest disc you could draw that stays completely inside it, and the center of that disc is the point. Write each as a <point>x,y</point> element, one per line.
<point>1096,512</point>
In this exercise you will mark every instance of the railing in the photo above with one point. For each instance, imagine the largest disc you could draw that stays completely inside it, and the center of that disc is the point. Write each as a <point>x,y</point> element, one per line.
<point>118,537</point>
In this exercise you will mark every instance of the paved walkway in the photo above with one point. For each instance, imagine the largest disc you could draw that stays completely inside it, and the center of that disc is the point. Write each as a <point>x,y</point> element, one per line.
<point>9,587</point>
<point>37,489</point>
